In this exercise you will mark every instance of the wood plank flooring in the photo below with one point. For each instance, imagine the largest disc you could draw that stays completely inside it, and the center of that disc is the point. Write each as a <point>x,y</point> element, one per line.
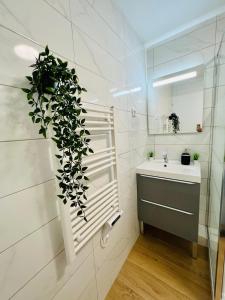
<point>160,267</point>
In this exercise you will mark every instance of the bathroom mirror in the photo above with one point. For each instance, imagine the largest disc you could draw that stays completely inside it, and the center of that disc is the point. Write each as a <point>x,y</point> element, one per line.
<point>179,93</point>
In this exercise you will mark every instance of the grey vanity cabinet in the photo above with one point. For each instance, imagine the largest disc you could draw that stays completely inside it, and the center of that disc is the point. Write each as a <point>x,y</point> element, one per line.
<point>168,204</point>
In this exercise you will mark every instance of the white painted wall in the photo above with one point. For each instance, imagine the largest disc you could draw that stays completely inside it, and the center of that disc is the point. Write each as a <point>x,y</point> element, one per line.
<point>95,38</point>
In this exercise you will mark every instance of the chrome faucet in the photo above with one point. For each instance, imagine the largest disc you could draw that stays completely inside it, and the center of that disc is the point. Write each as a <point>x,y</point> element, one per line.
<point>165,157</point>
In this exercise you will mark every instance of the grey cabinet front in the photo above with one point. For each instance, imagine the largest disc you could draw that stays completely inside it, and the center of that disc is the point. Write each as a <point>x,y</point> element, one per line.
<point>170,205</point>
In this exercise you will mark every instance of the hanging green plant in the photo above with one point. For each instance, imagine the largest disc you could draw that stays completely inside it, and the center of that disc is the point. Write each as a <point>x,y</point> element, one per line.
<point>55,99</point>
<point>175,122</point>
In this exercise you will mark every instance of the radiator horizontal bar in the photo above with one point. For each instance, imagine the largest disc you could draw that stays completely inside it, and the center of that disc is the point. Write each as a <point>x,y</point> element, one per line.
<point>83,229</point>
<point>91,173</point>
<point>101,151</point>
<point>108,186</point>
<point>99,122</point>
<point>96,128</point>
<point>92,164</point>
<point>101,222</point>
<point>100,110</point>
<point>94,211</point>
<point>108,193</point>
<point>97,116</point>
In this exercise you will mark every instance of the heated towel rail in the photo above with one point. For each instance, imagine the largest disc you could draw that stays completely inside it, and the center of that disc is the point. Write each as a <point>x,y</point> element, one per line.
<point>103,203</point>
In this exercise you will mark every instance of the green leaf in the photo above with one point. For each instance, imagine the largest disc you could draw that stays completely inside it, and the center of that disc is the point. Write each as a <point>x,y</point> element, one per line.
<point>46,50</point>
<point>29,78</point>
<point>26,91</point>
<point>50,90</point>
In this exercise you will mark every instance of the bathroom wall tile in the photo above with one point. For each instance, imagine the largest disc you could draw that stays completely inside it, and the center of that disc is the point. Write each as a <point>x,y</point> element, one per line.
<point>76,284</point>
<point>204,170</point>
<point>202,57</point>
<point>111,15</point>
<point>203,203</point>
<point>123,142</point>
<point>27,22</point>
<point>150,57</point>
<point>139,122</point>
<point>35,206</point>
<point>209,78</point>
<point>208,98</point>
<point>207,117</point>
<point>94,58</point>
<point>112,264</point>
<point>54,276</point>
<point>13,68</point>
<point>19,263</point>
<point>98,89</point>
<point>197,39</point>
<point>202,217</point>
<point>139,155</point>
<point>123,120</point>
<point>174,151</point>
<point>90,291</point>
<point>131,39</point>
<point>61,5</point>
<point>221,75</point>
<point>218,143</point>
<point>138,100</point>
<point>117,243</point>
<point>220,28</point>
<point>30,165</point>
<point>86,18</point>
<point>14,106</point>
<point>204,186</point>
<point>139,139</point>
<point>184,139</point>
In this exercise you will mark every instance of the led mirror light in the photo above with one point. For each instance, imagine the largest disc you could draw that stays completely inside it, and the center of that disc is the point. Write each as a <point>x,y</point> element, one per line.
<point>175,79</point>
<point>26,52</point>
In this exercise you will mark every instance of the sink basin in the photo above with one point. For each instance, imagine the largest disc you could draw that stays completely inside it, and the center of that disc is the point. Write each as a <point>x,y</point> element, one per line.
<point>172,170</point>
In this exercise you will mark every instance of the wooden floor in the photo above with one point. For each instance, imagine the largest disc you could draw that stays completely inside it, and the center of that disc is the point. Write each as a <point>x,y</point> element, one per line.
<point>160,267</point>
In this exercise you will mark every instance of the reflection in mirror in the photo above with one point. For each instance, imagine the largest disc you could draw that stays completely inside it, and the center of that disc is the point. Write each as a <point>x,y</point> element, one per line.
<point>176,99</point>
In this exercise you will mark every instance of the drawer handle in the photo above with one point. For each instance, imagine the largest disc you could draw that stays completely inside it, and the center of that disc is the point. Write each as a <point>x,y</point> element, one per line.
<point>168,207</point>
<point>168,179</point>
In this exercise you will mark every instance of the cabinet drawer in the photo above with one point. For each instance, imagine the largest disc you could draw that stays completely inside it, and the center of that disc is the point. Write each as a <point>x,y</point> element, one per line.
<point>173,221</point>
<point>173,193</point>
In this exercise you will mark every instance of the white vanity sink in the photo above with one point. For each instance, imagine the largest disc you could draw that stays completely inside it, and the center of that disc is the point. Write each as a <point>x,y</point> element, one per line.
<point>173,170</point>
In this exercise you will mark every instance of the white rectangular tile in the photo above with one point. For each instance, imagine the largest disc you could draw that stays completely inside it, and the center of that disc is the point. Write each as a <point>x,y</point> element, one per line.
<point>25,19</point>
<point>62,6</point>
<point>24,164</point>
<point>78,282</point>
<point>14,106</point>
<point>197,39</point>
<point>91,56</point>
<point>35,206</point>
<point>85,17</point>
<point>19,263</point>
<point>111,15</point>
<point>51,279</point>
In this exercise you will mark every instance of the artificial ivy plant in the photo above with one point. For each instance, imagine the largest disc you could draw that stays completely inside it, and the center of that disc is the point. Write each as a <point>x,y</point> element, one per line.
<point>55,99</point>
<point>175,122</point>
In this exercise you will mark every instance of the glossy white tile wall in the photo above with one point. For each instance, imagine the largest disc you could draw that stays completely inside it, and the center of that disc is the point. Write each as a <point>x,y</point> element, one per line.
<point>187,51</point>
<point>109,58</point>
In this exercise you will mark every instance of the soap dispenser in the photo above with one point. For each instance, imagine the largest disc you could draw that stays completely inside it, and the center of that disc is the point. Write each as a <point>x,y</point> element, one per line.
<point>185,157</point>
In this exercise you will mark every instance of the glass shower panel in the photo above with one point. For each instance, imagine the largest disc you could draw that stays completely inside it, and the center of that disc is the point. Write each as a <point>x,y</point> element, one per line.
<point>217,159</point>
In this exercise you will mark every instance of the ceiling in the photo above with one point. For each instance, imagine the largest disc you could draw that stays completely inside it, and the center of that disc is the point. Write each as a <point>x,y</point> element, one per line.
<point>156,20</point>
